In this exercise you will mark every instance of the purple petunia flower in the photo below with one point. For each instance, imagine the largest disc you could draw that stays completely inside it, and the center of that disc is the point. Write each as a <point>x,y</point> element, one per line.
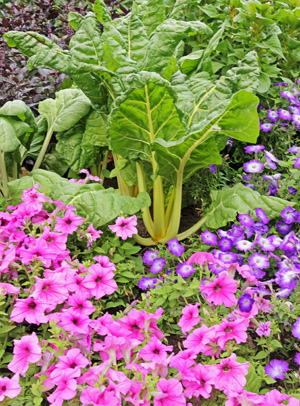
<point>228,257</point>
<point>276,369</point>
<point>266,127</point>
<point>209,238</point>
<point>264,329</point>
<point>225,244</point>
<point>260,228</point>
<point>294,150</point>
<point>265,244</point>
<point>253,166</point>
<point>216,269</point>
<point>147,283</point>
<point>244,245</point>
<point>212,168</point>
<point>259,261</point>
<point>297,162</point>
<point>175,248</point>
<point>260,213</point>
<point>246,220</point>
<point>289,215</point>
<point>245,303</point>
<point>284,114</point>
<point>296,328</point>
<point>280,84</point>
<point>158,265</point>
<point>247,178</point>
<point>272,115</point>
<point>271,157</point>
<point>297,358</point>
<point>296,119</point>
<point>283,228</point>
<point>149,257</point>
<point>254,148</point>
<point>185,270</point>
<point>292,190</point>
<point>288,95</point>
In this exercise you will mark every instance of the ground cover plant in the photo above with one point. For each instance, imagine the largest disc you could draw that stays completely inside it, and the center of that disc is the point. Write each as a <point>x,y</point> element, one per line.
<point>61,346</point>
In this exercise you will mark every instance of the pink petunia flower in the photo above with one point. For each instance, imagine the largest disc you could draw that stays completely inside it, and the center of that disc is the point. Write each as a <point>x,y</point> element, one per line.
<point>29,309</point>
<point>190,317</point>
<point>66,387</point>
<point>80,303</point>
<point>99,281</point>
<point>37,249</point>
<point>98,397</point>
<point>9,387</point>
<point>9,289</point>
<point>231,375</point>
<point>54,240</point>
<point>201,382</point>
<point>232,330</point>
<point>170,393</point>
<point>199,338</point>
<point>51,290</point>
<point>155,351</point>
<point>125,228</point>
<point>69,223</point>
<point>221,290</point>
<point>73,359</point>
<point>245,398</point>
<point>26,350</point>
<point>105,262</point>
<point>200,258</point>
<point>74,322</point>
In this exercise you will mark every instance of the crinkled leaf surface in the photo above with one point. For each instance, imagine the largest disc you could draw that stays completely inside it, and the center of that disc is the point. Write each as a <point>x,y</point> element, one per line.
<point>165,38</point>
<point>102,206</point>
<point>66,110</point>
<point>10,130</point>
<point>227,203</point>
<point>146,113</point>
<point>151,13</point>
<point>77,151</point>
<point>95,129</point>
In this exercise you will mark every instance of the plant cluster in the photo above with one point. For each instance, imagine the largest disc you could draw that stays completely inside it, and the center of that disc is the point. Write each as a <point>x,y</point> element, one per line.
<point>66,348</point>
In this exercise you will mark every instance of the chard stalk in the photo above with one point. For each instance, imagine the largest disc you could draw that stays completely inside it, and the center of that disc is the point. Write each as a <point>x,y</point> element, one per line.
<point>148,222</point>
<point>44,148</point>
<point>4,178</point>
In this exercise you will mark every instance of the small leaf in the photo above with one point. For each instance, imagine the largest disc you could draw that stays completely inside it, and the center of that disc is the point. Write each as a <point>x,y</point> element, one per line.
<point>261,355</point>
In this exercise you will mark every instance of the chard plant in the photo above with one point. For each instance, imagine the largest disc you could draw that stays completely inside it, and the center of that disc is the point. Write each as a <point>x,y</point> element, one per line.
<point>167,116</point>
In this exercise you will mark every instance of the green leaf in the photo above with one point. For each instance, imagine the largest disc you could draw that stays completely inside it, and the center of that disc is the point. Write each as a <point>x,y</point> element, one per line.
<point>75,19</point>
<point>75,148</point>
<point>86,45</point>
<point>116,303</point>
<point>165,38</point>
<point>151,13</point>
<point>247,73</point>
<point>261,355</point>
<point>20,109</point>
<point>6,329</point>
<point>8,135</point>
<point>227,203</point>
<point>253,380</point>
<point>146,113</point>
<point>134,35</point>
<point>66,110</point>
<point>95,129</point>
<point>101,205</point>
<point>274,45</point>
<point>103,15</point>
<point>264,83</point>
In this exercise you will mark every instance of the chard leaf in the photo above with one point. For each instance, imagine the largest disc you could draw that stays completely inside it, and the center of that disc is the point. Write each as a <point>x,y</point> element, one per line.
<point>20,109</point>
<point>44,178</point>
<point>86,44</point>
<point>103,15</point>
<point>10,131</point>
<point>134,36</point>
<point>142,115</point>
<point>151,13</point>
<point>75,19</point>
<point>247,73</point>
<point>186,154</point>
<point>227,203</point>
<point>77,151</point>
<point>95,129</point>
<point>66,110</point>
<point>165,38</point>
<point>101,205</point>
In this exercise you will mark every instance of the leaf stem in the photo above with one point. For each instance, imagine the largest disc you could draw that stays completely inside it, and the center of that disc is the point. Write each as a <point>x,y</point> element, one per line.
<point>44,148</point>
<point>3,174</point>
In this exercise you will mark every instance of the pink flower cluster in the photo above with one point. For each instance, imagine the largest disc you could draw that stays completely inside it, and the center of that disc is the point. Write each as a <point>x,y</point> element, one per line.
<point>105,360</point>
